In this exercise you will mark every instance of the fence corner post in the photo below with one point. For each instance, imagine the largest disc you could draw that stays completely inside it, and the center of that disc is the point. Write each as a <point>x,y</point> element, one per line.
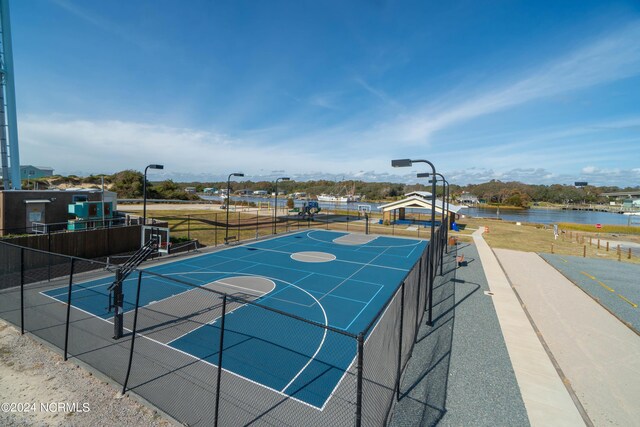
<point>22,291</point>
<point>359,382</point>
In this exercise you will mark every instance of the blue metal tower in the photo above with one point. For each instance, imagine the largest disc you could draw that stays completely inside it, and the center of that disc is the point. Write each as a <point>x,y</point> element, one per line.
<point>10,151</point>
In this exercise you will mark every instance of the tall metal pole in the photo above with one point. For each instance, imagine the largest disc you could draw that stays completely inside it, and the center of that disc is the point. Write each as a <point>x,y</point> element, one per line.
<point>275,205</point>
<point>10,95</point>
<point>144,197</point>
<point>226,232</point>
<point>409,162</point>
<point>144,191</point>
<point>226,227</point>
<point>275,209</point>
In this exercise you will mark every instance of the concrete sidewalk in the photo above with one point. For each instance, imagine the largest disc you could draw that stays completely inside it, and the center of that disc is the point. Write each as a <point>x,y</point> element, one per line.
<point>598,354</point>
<point>546,398</point>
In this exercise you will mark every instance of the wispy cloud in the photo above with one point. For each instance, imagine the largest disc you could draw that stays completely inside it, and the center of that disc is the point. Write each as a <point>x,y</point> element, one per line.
<point>613,57</point>
<point>376,92</point>
<point>108,26</point>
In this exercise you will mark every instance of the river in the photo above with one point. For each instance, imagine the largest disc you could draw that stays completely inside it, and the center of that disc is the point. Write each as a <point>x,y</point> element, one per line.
<point>536,215</point>
<point>551,216</point>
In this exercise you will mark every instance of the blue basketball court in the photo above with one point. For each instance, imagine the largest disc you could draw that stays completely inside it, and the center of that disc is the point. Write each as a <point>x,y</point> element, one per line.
<point>335,279</point>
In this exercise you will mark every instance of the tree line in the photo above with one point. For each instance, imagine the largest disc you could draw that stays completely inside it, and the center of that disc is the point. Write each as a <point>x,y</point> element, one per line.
<point>128,184</point>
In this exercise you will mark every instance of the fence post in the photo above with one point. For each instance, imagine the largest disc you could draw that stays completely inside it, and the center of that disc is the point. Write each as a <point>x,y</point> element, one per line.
<point>215,230</point>
<point>22,290</point>
<point>607,246</point>
<point>629,256</point>
<point>359,380</point>
<point>441,249</point>
<point>188,227</point>
<point>619,252</point>
<point>426,280</point>
<point>584,251</point>
<point>348,217</point>
<point>133,333</point>
<point>66,331</point>
<point>551,247</point>
<point>224,308</point>
<point>598,244</point>
<point>418,299</point>
<point>399,371</point>
<point>49,256</point>
<point>432,268</point>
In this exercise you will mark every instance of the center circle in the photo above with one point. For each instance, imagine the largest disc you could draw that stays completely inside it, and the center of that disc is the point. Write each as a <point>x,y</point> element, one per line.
<point>310,256</point>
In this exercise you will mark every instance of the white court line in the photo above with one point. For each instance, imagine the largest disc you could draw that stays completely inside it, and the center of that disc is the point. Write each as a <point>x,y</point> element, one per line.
<point>337,259</point>
<point>363,308</point>
<point>353,274</point>
<point>211,322</point>
<point>324,336</point>
<point>201,360</point>
<point>355,358</point>
<point>368,246</point>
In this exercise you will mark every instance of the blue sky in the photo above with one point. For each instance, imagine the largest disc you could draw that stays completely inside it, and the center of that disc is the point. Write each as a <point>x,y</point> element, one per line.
<point>536,91</point>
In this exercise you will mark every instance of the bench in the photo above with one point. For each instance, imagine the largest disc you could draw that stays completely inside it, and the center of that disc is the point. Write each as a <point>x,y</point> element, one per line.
<point>460,260</point>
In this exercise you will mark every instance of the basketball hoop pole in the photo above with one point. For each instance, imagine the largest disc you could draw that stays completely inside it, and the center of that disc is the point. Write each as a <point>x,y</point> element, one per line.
<point>118,299</point>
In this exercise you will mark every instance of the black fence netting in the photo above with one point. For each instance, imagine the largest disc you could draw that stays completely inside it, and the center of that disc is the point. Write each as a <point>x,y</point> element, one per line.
<point>210,354</point>
<point>11,267</point>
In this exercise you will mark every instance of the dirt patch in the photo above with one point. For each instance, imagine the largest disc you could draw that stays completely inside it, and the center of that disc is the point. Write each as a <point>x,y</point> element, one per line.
<point>39,388</point>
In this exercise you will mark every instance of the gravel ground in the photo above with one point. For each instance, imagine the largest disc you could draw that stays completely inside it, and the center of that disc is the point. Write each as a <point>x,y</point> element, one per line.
<point>460,373</point>
<point>38,388</point>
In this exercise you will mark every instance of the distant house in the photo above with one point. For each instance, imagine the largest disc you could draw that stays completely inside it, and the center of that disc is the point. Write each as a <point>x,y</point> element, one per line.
<point>29,171</point>
<point>24,211</point>
<point>244,192</point>
<point>260,193</point>
<point>423,194</point>
<point>210,190</point>
<point>32,172</point>
<point>190,189</point>
<point>468,199</point>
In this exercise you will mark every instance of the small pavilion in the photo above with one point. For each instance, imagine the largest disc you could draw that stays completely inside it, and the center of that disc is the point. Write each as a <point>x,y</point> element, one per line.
<point>417,200</point>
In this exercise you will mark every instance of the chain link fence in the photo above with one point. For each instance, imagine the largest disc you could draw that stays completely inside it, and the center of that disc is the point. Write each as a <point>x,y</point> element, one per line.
<point>199,355</point>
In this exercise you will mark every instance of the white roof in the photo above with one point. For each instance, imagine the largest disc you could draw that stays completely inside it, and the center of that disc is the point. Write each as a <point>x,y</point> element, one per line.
<point>418,202</point>
<point>423,194</point>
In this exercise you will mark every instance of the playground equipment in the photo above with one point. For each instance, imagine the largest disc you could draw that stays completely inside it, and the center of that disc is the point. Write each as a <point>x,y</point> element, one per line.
<point>309,210</point>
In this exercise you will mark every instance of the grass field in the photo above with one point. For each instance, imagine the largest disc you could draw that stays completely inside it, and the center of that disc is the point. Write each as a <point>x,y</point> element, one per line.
<point>208,227</point>
<point>540,238</point>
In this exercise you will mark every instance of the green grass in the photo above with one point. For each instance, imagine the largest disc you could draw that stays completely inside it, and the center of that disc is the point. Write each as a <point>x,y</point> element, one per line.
<point>610,229</point>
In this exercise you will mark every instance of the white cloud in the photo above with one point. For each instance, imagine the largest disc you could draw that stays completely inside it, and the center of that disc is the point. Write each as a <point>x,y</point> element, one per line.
<point>589,169</point>
<point>614,57</point>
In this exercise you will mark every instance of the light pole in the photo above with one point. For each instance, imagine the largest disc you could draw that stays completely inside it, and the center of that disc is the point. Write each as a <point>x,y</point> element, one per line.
<point>400,163</point>
<point>226,231</point>
<point>144,192</point>
<point>275,204</point>
<point>445,196</point>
